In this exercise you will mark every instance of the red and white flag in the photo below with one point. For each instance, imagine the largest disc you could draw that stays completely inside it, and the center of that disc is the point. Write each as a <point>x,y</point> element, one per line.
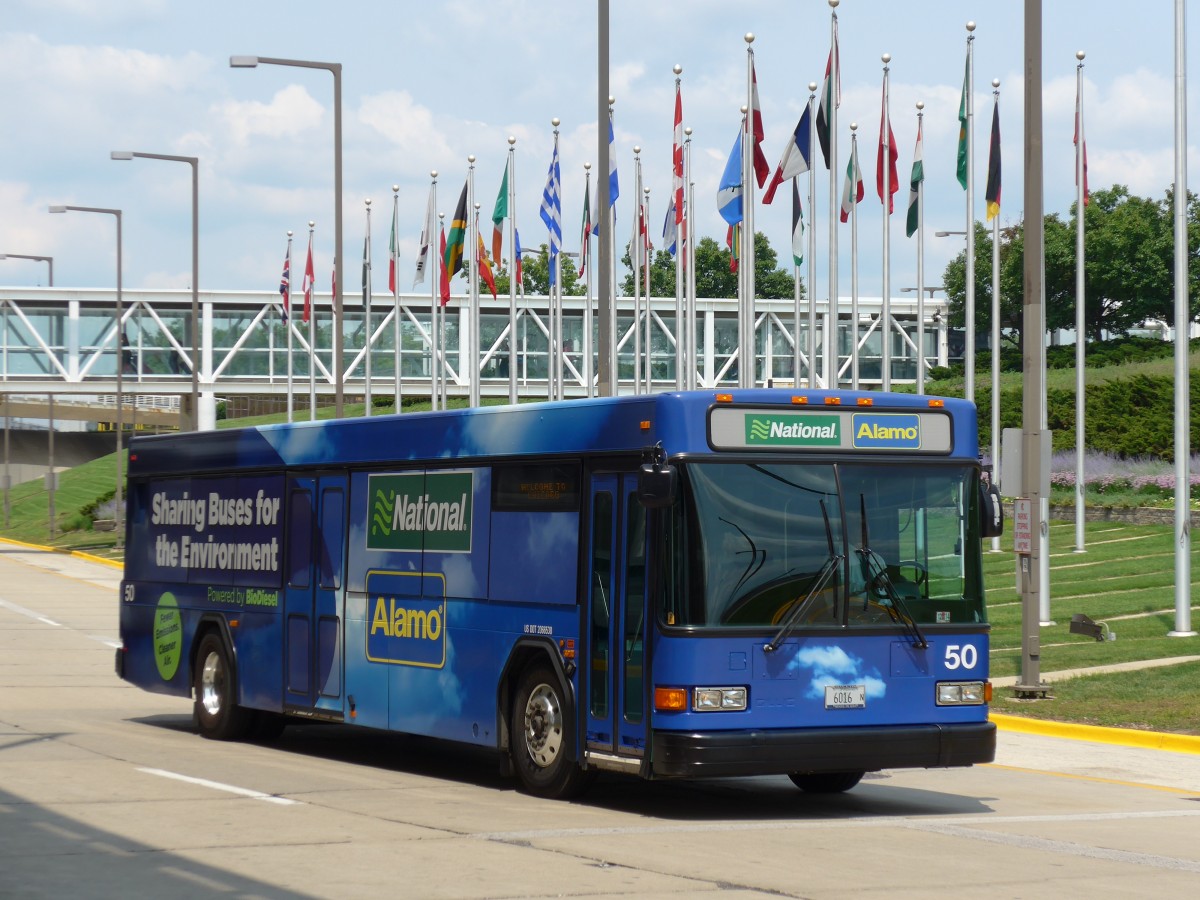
<point>677,158</point>
<point>762,169</point>
<point>309,281</point>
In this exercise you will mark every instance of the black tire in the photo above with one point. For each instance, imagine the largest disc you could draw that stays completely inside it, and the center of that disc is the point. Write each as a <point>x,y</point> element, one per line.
<point>543,736</point>
<point>825,782</point>
<point>214,684</point>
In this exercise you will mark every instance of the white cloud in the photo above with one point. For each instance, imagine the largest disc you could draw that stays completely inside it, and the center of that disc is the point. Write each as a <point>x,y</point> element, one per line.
<point>290,112</point>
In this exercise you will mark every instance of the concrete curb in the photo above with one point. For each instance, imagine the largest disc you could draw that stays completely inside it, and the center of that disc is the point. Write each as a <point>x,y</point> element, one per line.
<point>79,554</point>
<point>1125,737</point>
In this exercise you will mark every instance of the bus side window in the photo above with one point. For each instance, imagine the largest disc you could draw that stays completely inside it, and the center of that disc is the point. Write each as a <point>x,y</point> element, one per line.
<point>333,511</point>
<point>299,538</point>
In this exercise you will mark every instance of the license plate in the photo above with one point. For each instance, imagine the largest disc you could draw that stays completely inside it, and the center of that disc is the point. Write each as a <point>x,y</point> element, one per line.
<point>845,696</point>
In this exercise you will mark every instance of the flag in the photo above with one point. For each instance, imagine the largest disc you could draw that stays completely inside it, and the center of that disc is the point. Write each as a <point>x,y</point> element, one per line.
<point>831,96</point>
<point>366,274</point>
<point>993,182</point>
<point>729,194</point>
<point>962,125</point>
<point>393,252</point>
<point>499,214</point>
<point>1080,140</point>
<point>285,288</point>
<point>428,230</point>
<point>585,231</point>
<point>613,186</point>
<point>670,229</point>
<point>485,267</point>
<point>517,254</point>
<point>677,159</point>
<point>762,169</point>
<point>551,211</point>
<point>797,225</point>
<point>914,187</point>
<point>732,239</point>
<point>458,236</point>
<point>885,122</point>
<point>445,291</point>
<point>853,192</point>
<point>309,281</point>
<point>797,155</point>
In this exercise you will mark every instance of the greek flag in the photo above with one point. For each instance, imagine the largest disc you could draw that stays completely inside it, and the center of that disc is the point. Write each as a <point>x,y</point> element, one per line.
<point>552,207</point>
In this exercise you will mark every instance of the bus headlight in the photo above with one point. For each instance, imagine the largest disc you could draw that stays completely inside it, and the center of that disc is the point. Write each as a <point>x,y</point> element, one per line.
<point>718,699</point>
<point>960,693</point>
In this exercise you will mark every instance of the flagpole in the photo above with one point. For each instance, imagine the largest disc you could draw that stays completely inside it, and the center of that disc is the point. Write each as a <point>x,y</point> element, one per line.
<point>556,332</point>
<point>854,376</point>
<point>366,286</point>
<point>312,333</point>
<point>835,76</point>
<point>1080,309</point>
<point>512,269</point>
<point>394,269</point>
<point>920,264</point>
<point>748,364</point>
<point>647,381</point>
<point>291,401</point>
<point>812,246</point>
<point>437,325</point>
<point>969,379</point>
<point>585,256</point>
<point>995,327</point>
<point>690,261</point>
<point>677,198</point>
<point>636,249</point>
<point>608,253</point>
<point>1183,563</point>
<point>885,136</point>
<point>435,297</point>
<point>472,266</point>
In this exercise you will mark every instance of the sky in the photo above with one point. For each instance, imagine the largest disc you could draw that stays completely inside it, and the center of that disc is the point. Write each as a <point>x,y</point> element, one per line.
<point>427,85</point>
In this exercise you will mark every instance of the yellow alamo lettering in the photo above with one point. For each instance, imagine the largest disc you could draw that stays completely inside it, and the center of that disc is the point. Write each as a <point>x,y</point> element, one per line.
<point>396,621</point>
<point>879,433</point>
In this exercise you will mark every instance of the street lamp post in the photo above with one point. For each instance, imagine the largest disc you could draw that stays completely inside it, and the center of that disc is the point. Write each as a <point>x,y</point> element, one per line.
<point>249,62</point>
<point>118,338</point>
<point>209,422</point>
<point>46,259</point>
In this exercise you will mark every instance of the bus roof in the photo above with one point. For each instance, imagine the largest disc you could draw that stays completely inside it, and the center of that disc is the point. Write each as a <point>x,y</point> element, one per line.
<point>596,425</point>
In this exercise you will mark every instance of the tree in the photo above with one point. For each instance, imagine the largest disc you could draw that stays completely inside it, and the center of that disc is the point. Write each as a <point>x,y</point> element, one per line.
<point>713,276</point>
<point>535,274</point>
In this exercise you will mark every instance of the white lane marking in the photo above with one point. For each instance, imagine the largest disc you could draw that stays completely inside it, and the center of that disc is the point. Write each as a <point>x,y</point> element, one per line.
<point>38,617</point>
<point>218,786</point>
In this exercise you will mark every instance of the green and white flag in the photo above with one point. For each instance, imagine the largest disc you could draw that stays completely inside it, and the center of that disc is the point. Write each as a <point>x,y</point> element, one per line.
<point>914,187</point>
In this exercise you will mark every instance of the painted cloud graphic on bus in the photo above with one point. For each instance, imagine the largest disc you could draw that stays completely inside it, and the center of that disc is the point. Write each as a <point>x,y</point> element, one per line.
<point>833,665</point>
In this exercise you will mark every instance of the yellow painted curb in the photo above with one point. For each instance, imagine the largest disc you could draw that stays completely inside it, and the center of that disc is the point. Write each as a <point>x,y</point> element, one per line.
<point>1125,737</point>
<point>114,563</point>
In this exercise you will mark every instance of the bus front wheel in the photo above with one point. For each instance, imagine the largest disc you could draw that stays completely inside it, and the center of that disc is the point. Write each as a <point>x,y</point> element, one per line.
<point>825,782</point>
<point>541,734</point>
<point>216,710</point>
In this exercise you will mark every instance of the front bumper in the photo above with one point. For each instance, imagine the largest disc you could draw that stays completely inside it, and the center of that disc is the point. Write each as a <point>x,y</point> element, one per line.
<point>677,754</point>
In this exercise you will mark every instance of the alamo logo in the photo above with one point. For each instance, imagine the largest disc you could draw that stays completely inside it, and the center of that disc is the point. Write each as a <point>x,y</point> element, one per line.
<point>793,430</point>
<point>893,431</point>
<point>421,511</point>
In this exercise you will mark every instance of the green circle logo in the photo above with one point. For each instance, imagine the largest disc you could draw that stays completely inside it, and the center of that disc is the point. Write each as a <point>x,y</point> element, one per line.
<point>168,636</point>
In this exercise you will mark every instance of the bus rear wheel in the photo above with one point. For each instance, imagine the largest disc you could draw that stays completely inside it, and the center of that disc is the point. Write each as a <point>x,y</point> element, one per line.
<point>216,711</point>
<point>542,732</point>
<point>825,782</point>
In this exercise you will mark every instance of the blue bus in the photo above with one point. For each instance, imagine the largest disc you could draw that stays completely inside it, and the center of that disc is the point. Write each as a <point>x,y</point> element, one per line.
<point>677,585</point>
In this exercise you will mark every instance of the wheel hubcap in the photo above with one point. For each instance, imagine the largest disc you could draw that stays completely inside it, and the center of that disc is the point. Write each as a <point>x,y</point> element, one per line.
<point>543,726</point>
<point>211,681</point>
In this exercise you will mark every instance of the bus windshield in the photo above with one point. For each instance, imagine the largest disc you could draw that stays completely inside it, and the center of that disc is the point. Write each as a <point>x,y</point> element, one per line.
<point>760,544</point>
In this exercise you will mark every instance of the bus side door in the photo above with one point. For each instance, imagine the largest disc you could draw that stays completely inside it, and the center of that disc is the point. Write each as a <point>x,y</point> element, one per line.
<point>316,542</point>
<point>614,685</point>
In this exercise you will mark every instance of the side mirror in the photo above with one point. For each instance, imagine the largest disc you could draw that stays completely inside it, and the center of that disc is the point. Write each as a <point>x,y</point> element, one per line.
<point>991,511</point>
<point>657,480</point>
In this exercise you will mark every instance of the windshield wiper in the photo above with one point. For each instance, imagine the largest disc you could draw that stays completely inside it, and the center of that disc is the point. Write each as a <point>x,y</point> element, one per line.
<point>823,576</point>
<point>896,608</point>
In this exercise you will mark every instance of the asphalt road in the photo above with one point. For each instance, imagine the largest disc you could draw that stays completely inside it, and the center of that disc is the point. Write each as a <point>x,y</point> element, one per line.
<point>106,791</point>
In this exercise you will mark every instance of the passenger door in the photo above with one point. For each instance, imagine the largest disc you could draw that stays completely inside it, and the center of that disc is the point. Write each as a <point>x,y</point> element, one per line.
<point>316,539</point>
<point>613,680</point>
